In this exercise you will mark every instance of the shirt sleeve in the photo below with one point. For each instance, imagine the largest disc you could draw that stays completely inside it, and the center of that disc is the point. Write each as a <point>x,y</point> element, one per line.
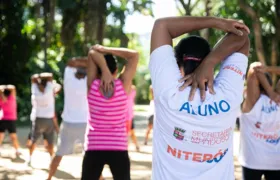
<point>164,70</point>
<point>230,79</point>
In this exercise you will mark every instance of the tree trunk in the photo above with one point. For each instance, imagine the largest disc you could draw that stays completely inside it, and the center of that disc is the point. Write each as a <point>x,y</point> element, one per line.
<point>51,17</point>
<point>206,32</point>
<point>101,21</point>
<point>257,30</point>
<point>91,21</point>
<point>188,11</point>
<point>46,5</point>
<point>274,56</point>
<point>68,30</point>
<point>277,10</point>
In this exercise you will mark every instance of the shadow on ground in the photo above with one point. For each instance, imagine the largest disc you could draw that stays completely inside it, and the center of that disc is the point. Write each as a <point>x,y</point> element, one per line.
<point>9,174</point>
<point>61,174</point>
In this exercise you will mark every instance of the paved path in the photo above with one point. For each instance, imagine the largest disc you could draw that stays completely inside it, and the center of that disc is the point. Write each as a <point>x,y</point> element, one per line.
<point>70,167</point>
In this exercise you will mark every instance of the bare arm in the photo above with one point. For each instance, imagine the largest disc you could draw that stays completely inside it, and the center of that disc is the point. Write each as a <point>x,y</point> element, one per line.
<point>205,72</point>
<point>12,88</point>
<point>273,69</point>
<point>47,76</point>
<point>95,59</point>
<point>253,90</point>
<point>56,126</point>
<point>34,78</point>
<point>166,29</point>
<point>229,44</point>
<point>57,87</point>
<point>78,62</point>
<point>129,70</point>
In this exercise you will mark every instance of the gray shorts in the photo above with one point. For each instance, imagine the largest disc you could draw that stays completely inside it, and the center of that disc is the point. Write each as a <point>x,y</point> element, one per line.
<point>70,134</point>
<point>43,126</point>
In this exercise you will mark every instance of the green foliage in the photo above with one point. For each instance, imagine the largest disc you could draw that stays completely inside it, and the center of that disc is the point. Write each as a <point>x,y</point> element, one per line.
<point>22,42</point>
<point>23,31</point>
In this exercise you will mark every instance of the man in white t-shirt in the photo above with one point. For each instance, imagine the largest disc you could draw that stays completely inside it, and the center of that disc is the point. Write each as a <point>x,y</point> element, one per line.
<point>43,89</point>
<point>192,138</point>
<point>75,113</point>
<point>260,125</point>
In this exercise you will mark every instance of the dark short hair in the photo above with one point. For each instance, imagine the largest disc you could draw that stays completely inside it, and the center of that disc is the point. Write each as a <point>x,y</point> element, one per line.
<point>269,79</point>
<point>111,62</point>
<point>192,47</point>
<point>7,92</point>
<point>81,71</point>
<point>44,82</point>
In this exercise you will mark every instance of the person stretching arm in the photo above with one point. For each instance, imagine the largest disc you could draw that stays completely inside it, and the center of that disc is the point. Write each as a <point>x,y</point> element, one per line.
<point>166,29</point>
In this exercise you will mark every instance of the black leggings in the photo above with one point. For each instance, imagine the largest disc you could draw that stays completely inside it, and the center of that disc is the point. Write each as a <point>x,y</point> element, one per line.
<point>94,162</point>
<point>252,174</point>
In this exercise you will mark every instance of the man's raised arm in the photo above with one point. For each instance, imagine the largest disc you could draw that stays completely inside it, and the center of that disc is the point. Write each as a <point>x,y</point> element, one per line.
<point>165,29</point>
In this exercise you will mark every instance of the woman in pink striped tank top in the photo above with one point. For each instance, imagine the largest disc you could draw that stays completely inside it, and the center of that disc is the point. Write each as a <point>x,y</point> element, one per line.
<point>106,136</point>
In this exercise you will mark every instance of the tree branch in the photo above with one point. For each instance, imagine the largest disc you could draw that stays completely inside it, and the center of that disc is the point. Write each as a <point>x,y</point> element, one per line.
<point>274,55</point>
<point>184,5</point>
<point>257,30</point>
<point>277,24</point>
<point>179,9</point>
<point>194,5</point>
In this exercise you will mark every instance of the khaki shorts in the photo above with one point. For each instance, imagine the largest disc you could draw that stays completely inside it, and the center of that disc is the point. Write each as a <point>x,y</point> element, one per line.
<point>70,134</point>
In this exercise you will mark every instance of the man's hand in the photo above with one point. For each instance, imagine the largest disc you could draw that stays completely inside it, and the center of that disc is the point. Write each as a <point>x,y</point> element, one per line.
<point>232,26</point>
<point>201,78</point>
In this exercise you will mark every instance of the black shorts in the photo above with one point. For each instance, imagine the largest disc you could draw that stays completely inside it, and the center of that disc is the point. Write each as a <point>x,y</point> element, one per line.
<point>253,174</point>
<point>9,125</point>
<point>94,162</point>
<point>132,124</point>
<point>151,120</point>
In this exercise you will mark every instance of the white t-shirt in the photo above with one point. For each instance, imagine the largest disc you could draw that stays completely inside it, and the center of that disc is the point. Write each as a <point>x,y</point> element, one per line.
<point>75,98</point>
<point>193,140</point>
<point>42,103</point>
<point>260,136</point>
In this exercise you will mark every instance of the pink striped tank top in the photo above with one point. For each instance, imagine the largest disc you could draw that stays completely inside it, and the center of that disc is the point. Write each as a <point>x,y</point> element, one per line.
<point>106,129</point>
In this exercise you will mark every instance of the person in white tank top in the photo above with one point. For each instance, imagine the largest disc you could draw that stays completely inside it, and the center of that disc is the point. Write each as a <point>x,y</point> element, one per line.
<point>260,125</point>
<point>151,113</point>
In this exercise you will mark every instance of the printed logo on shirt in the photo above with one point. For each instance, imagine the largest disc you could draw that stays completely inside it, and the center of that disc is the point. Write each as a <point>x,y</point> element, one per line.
<point>179,133</point>
<point>269,109</point>
<point>207,109</point>
<point>269,135</point>
<point>211,138</point>
<point>196,156</point>
<point>235,69</point>
<point>258,125</point>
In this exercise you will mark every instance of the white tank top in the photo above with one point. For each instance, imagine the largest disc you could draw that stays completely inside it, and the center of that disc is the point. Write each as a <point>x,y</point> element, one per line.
<point>260,136</point>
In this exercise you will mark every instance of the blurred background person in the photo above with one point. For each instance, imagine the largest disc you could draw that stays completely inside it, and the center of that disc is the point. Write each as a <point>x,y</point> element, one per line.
<point>260,125</point>
<point>43,89</point>
<point>130,117</point>
<point>106,134</point>
<point>8,104</point>
<point>75,113</point>
<point>151,113</point>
